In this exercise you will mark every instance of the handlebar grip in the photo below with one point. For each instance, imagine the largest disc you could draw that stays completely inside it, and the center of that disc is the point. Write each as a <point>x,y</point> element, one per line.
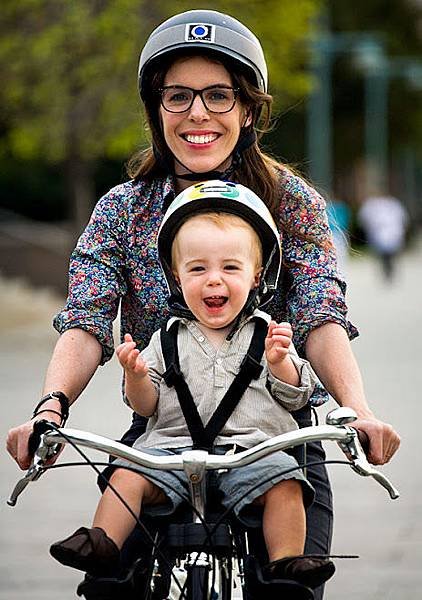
<point>39,428</point>
<point>363,439</point>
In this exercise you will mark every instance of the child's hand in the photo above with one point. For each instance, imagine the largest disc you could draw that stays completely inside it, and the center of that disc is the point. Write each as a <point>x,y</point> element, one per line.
<point>130,358</point>
<point>277,342</point>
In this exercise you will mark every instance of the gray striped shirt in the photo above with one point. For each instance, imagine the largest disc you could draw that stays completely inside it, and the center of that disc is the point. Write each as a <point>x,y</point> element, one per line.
<point>209,372</point>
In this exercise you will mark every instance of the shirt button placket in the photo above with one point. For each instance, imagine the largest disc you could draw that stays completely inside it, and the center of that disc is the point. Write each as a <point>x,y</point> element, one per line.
<point>219,374</point>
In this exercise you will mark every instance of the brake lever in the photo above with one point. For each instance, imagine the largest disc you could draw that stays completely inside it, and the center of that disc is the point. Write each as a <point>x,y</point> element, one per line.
<point>42,453</point>
<point>34,472</point>
<point>360,464</point>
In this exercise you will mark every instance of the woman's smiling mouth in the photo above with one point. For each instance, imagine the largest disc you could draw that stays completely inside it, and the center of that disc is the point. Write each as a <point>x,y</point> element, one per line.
<point>205,138</point>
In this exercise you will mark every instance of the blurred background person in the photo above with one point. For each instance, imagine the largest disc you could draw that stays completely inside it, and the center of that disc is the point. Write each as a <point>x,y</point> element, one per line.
<point>384,221</point>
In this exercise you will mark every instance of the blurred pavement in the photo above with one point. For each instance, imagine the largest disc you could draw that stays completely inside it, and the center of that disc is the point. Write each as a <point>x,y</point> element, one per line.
<point>386,534</point>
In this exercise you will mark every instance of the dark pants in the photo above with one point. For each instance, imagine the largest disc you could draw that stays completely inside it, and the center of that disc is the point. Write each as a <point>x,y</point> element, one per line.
<point>319,517</point>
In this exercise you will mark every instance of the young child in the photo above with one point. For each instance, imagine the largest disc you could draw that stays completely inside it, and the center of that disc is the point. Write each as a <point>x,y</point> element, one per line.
<point>220,252</point>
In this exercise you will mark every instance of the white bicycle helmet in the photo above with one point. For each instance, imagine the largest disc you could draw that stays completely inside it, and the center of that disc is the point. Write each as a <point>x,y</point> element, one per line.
<point>205,29</point>
<point>234,198</point>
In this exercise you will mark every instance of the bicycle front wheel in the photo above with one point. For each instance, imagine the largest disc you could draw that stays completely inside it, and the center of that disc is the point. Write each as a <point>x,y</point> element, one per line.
<point>197,585</point>
<point>211,581</point>
<point>226,580</point>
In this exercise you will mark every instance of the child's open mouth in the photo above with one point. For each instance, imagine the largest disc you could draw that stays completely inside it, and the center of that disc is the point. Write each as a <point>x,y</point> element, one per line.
<point>215,301</point>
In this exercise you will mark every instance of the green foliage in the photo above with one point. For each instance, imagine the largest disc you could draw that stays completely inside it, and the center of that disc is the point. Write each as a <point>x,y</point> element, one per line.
<point>283,28</point>
<point>69,69</point>
<point>398,25</point>
<point>63,64</point>
<point>398,21</point>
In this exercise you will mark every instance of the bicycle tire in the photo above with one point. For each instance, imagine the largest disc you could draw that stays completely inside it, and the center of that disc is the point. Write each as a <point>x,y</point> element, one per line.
<point>197,585</point>
<point>226,580</point>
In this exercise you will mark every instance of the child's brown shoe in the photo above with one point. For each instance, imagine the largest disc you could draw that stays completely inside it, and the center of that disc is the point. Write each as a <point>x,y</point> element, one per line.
<point>89,550</point>
<point>309,570</point>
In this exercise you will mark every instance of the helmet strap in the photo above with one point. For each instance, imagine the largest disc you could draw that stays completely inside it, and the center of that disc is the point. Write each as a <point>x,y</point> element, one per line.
<point>245,141</point>
<point>179,308</point>
<point>202,176</point>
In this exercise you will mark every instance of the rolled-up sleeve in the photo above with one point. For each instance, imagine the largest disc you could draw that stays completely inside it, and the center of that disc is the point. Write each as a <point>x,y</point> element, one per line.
<point>96,276</point>
<point>293,397</point>
<point>312,291</point>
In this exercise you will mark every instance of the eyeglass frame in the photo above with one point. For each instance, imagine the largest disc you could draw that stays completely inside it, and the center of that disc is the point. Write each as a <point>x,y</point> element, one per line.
<point>198,93</point>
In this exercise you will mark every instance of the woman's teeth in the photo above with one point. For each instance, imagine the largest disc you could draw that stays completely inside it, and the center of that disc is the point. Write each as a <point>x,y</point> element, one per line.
<point>201,139</point>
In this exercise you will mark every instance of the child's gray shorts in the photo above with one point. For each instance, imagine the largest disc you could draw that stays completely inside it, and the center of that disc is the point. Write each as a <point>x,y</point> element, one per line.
<point>238,487</point>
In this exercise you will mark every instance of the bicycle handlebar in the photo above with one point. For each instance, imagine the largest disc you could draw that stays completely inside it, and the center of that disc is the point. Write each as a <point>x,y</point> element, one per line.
<point>195,462</point>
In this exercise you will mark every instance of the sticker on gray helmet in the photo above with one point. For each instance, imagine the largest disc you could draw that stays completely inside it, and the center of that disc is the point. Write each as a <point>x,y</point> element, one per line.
<point>199,32</point>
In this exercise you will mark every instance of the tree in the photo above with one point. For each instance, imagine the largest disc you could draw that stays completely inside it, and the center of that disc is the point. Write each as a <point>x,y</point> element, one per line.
<point>68,69</point>
<point>397,24</point>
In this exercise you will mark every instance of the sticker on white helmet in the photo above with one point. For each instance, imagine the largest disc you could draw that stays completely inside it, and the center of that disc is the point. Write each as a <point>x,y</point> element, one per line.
<point>199,32</point>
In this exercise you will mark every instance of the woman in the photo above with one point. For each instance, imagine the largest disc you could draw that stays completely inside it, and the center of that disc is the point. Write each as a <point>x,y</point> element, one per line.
<point>203,81</point>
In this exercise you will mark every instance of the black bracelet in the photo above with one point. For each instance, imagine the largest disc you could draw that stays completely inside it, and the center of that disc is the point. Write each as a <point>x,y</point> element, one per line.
<point>50,410</point>
<point>64,404</point>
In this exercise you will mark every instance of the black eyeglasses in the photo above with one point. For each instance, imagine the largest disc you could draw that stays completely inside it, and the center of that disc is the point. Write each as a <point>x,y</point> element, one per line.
<point>216,98</point>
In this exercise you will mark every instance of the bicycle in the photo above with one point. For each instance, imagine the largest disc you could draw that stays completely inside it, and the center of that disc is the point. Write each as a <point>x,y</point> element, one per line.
<point>208,557</point>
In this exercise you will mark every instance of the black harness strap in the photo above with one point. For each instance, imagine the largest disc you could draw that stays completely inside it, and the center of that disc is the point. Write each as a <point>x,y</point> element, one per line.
<point>174,377</point>
<point>203,437</point>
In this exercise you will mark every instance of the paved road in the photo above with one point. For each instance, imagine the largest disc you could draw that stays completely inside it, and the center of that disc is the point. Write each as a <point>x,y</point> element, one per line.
<point>386,534</point>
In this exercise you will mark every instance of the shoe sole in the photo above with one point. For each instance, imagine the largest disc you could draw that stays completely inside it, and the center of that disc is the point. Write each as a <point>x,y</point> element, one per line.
<point>317,577</point>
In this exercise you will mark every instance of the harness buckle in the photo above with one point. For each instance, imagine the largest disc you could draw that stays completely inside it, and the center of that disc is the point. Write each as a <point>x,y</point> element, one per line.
<point>172,375</point>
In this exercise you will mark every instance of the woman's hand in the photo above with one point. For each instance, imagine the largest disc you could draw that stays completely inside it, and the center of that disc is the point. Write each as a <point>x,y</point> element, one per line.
<point>130,357</point>
<point>383,440</point>
<point>18,437</point>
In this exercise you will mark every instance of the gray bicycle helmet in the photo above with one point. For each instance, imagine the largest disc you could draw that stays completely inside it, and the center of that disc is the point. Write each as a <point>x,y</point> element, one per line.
<point>222,196</point>
<point>205,29</point>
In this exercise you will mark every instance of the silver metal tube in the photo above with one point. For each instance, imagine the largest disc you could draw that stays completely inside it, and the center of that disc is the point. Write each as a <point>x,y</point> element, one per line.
<point>213,461</point>
<point>345,436</point>
<point>195,462</point>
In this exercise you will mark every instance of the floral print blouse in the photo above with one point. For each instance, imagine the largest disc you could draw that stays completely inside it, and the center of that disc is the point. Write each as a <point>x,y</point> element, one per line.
<point>115,263</point>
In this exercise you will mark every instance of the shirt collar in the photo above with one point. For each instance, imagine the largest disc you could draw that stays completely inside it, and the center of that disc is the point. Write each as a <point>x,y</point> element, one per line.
<point>257,314</point>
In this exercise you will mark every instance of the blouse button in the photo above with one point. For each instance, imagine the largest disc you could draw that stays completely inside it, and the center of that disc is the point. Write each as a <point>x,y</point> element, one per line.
<point>201,338</point>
